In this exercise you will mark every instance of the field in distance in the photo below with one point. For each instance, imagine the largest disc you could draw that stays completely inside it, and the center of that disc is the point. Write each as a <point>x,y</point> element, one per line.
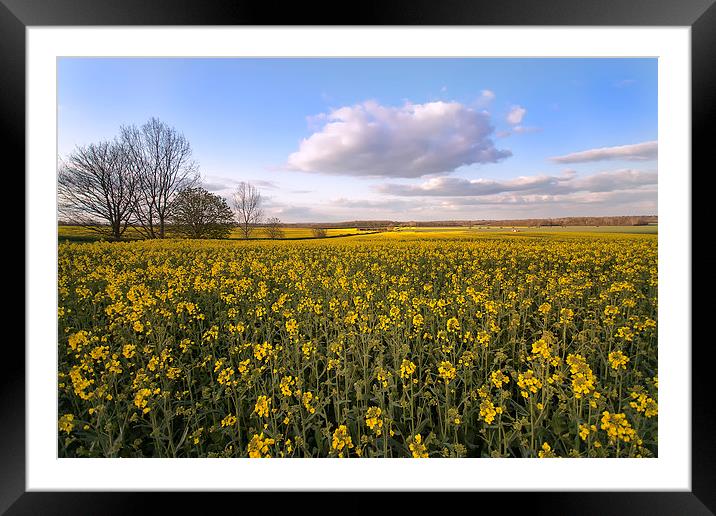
<point>81,234</point>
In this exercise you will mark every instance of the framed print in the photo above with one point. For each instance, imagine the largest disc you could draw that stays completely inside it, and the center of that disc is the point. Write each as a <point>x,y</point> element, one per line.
<point>453,232</point>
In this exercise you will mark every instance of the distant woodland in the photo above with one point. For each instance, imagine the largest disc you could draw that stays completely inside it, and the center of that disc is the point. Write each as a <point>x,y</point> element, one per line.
<point>625,220</point>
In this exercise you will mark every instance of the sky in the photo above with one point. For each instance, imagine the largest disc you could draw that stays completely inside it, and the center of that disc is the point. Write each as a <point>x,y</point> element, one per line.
<point>405,139</point>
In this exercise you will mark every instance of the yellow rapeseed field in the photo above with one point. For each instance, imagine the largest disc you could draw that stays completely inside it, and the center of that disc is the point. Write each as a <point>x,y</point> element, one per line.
<point>380,346</point>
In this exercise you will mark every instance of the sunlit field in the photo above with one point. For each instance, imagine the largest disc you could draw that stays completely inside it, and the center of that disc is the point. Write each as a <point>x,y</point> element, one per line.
<point>420,342</point>
<point>82,234</point>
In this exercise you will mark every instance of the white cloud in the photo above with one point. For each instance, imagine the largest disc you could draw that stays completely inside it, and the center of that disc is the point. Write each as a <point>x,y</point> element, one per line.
<point>414,140</point>
<point>608,193</point>
<point>522,129</point>
<point>298,213</point>
<point>485,99</point>
<point>568,182</point>
<point>220,184</point>
<point>389,204</point>
<point>516,114</point>
<point>637,152</point>
<point>633,201</point>
<point>487,94</point>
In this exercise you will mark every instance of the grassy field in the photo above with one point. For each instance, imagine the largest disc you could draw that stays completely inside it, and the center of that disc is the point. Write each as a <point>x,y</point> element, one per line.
<point>80,234</point>
<point>414,343</point>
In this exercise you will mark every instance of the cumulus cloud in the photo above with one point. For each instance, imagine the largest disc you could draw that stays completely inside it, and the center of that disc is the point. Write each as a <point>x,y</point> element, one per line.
<point>457,186</point>
<point>637,152</point>
<point>414,140</point>
<point>516,114</point>
<point>566,183</point>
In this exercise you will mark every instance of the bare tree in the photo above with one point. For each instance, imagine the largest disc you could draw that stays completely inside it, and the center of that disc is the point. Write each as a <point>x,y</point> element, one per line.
<point>274,228</point>
<point>247,202</point>
<point>319,233</point>
<point>160,158</point>
<point>96,188</point>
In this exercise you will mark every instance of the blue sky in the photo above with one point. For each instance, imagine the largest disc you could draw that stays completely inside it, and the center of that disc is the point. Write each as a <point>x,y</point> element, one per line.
<point>403,139</point>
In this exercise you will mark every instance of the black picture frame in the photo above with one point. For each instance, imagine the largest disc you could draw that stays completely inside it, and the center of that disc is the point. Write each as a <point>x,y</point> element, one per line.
<point>699,15</point>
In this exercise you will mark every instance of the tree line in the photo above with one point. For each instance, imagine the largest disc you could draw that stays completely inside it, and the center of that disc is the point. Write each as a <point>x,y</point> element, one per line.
<point>145,178</point>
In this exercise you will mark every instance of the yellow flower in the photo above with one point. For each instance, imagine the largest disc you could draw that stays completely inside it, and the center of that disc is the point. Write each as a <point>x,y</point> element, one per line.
<point>286,383</point>
<point>244,366</point>
<point>373,420</point>
<point>99,352</point>
<point>66,423</point>
<point>308,348</point>
<point>417,448</point>
<point>407,368</point>
<point>262,351</point>
<point>645,404</point>
<point>483,338</point>
<point>453,324</point>
<point>341,439</point>
<point>446,371</point>
<point>229,420</point>
<point>262,406</point>
<point>306,399</point>
<point>78,340</point>
<point>541,348</point>
<point>582,377</point>
<point>128,350</point>
<point>488,411</point>
<point>140,399</point>
<point>499,378</point>
<point>546,451</point>
<point>617,427</point>
<point>617,360</point>
<point>565,315</point>
<point>528,383</point>
<point>226,377</point>
<point>259,446</point>
<point>583,432</point>
<point>382,376</point>
<point>626,333</point>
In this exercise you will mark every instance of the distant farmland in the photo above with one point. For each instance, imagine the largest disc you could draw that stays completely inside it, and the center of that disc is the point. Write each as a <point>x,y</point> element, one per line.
<point>81,234</point>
